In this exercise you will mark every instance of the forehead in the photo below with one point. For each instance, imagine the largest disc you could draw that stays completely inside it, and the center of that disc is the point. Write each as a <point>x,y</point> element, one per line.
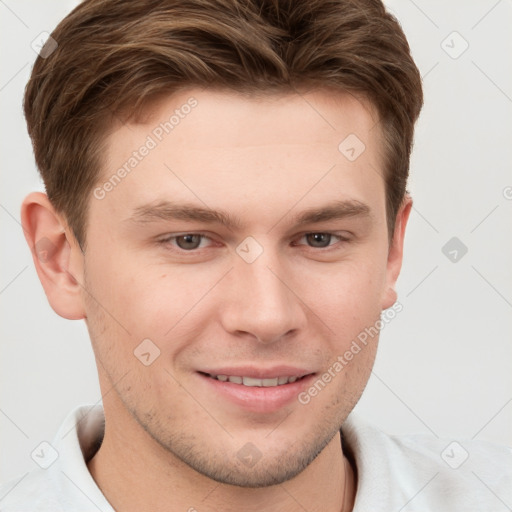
<point>320,115</point>
<point>246,153</point>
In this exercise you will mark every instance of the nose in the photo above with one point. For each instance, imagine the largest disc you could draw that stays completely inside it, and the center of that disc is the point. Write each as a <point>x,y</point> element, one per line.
<point>261,304</point>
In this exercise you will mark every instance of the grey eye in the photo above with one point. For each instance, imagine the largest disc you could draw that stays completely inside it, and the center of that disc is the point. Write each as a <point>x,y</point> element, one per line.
<point>188,242</point>
<point>319,239</point>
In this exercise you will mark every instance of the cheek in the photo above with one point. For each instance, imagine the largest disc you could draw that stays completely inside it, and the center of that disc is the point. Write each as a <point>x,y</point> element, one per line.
<point>166,301</point>
<point>133,293</point>
<point>347,297</point>
<point>138,302</point>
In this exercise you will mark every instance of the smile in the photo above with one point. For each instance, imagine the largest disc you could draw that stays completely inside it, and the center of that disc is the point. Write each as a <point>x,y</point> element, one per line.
<point>255,382</point>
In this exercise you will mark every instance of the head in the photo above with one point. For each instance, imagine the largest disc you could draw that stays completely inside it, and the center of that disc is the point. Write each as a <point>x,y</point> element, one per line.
<point>226,194</point>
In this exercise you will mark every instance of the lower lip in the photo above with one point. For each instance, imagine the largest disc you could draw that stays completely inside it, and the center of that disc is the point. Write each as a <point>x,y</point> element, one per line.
<point>255,398</point>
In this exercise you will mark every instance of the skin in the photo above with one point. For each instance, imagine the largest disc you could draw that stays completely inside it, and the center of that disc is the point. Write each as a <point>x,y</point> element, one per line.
<point>264,161</point>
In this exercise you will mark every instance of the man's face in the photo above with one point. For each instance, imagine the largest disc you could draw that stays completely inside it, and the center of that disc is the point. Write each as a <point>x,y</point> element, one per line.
<point>278,293</point>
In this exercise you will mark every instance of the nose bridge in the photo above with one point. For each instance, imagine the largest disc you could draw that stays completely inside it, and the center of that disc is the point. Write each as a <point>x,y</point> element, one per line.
<point>261,304</point>
<point>264,289</point>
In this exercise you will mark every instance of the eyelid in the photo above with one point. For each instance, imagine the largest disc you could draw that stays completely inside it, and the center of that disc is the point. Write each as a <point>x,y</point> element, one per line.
<point>172,236</point>
<point>341,238</point>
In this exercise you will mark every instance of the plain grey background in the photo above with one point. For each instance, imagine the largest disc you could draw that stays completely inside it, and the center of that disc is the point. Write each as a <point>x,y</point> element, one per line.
<point>444,363</point>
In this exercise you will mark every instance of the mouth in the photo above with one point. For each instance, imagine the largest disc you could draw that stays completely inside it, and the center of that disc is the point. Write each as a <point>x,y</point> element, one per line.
<point>256,382</point>
<point>255,390</point>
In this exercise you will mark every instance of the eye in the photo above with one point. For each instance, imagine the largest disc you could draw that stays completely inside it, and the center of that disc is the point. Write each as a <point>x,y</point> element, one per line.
<point>187,241</point>
<point>321,240</point>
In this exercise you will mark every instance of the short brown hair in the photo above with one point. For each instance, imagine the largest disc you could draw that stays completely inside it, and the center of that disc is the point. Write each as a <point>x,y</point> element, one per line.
<point>114,56</point>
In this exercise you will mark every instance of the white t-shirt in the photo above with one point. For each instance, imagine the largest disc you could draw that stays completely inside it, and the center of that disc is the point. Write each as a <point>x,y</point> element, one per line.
<point>416,473</point>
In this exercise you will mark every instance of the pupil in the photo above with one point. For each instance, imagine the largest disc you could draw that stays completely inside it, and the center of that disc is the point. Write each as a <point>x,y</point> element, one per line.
<point>188,241</point>
<point>319,239</point>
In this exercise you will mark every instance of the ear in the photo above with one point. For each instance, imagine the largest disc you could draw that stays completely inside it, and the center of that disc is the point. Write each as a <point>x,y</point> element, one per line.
<point>395,254</point>
<point>57,256</point>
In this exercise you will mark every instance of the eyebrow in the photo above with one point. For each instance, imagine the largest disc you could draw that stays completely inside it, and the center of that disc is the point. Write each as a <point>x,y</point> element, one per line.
<point>334,211</point>
<point>168,211</point>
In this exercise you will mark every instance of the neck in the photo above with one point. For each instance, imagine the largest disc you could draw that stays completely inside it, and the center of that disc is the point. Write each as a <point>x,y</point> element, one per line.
<point>152,478</point>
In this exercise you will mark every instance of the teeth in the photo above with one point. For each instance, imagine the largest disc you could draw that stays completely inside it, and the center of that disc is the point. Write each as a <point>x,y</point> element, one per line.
<point>253,382</point>
<point>249,381</point>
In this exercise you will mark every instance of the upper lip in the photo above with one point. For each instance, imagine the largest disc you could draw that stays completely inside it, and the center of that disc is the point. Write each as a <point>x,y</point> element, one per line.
<point>259,373</point>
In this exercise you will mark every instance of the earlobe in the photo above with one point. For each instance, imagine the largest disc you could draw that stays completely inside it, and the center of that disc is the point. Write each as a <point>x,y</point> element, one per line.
<point>395,254</point>
<point>56,254</point>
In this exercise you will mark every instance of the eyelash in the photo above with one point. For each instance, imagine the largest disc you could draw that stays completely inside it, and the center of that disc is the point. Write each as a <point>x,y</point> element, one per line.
<point>203,236</point>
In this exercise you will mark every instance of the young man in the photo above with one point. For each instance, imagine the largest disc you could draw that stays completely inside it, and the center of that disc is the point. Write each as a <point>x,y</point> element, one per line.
<point>226,209</point>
